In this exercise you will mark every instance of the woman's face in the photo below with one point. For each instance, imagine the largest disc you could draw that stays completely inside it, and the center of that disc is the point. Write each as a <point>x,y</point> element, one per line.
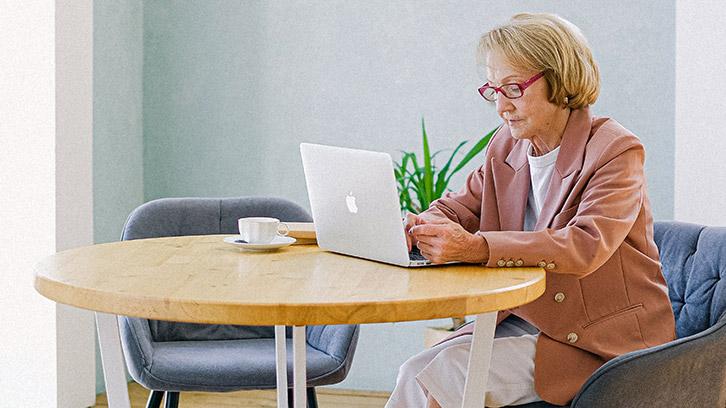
<point>532,116</point>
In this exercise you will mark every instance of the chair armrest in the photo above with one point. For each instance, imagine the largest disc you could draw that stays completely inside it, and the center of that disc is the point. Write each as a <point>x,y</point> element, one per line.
<point>338,342</point>
<point>686,372</point>
<point>138,350</point>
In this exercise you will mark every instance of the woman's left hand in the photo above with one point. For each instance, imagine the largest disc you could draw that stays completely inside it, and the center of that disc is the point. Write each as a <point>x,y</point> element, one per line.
<point>442,240</point>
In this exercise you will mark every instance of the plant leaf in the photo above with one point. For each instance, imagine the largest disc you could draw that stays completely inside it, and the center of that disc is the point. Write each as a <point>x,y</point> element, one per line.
<point>419,186</point>
<point>478,147</point>
<point>428,176</point>
<point>442,181</point>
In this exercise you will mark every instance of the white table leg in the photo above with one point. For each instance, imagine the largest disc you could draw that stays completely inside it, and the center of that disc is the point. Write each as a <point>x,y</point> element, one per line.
<point>114,366</point>
<point>281,366</point>
<point>299,367</point>
<point>479,359</point>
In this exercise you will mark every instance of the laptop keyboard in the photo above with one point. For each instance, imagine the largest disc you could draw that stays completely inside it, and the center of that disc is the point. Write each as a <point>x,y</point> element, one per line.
<point>415,254</point>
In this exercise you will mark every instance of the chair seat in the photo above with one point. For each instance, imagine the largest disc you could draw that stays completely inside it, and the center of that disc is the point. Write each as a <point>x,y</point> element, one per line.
<point>225,365</point>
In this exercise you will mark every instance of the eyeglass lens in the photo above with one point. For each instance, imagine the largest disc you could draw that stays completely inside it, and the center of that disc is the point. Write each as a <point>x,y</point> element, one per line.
<point>511,91</point>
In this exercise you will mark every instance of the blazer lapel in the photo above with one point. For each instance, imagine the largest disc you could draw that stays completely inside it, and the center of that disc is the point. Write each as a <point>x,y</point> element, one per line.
<point>569,163</point>
<point>511,180</point>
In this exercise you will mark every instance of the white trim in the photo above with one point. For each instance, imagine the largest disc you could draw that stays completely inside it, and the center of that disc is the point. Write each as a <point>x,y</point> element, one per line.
<point>700,186</point>
<point>281,365</point>
<point>477,375</point>
<point>114,365</point>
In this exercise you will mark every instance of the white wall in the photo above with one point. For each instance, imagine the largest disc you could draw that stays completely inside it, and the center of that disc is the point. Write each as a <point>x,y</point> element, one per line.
<point>700,164</point>
<point>46,351</point>
<point>27,126</point>
<point>75,333</point>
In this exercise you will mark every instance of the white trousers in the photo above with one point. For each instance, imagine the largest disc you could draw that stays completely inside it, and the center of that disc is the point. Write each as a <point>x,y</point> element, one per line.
<point>441,370</point>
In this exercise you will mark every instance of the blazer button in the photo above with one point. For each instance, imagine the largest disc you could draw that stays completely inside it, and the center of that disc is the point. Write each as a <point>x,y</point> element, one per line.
<point>519,262</point>
<point>551,265</point>
<point>510,263</point>
<point>542,264</point>
<point>501,262</point>
<point>572,337</point>
<point>559,297</point>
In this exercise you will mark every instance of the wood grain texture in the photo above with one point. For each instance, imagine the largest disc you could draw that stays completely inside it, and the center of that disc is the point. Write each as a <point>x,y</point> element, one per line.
<point>205,280</point>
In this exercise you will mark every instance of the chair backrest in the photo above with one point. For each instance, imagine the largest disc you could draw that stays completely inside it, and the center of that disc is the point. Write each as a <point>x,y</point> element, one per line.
<point>168,217</point>
<point>694,266</point>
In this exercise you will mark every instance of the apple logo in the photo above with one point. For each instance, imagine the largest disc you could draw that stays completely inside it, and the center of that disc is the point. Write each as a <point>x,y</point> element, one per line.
<point>350,202</point>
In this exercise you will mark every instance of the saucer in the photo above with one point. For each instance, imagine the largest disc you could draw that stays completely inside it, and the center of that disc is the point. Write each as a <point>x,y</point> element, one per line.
<point>277,243</point>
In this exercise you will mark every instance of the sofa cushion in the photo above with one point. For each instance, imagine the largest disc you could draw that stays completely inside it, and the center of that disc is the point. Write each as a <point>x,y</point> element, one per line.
<point>694,265</point>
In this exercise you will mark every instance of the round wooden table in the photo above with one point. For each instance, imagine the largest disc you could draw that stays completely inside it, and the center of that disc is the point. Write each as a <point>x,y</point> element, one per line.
<point>202,279</point>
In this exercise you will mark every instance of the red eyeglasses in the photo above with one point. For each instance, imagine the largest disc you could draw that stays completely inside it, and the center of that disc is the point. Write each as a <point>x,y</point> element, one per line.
<point>511,91</point>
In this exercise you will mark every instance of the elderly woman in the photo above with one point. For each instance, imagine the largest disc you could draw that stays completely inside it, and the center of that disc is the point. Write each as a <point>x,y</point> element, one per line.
<point>560,189</point>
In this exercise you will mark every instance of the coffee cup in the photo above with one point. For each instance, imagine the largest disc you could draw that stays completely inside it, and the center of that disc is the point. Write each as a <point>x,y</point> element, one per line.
<point>261,230</point>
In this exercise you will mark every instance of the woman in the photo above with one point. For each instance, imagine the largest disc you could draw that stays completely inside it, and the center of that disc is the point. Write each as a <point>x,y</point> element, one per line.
<point>560,189</point>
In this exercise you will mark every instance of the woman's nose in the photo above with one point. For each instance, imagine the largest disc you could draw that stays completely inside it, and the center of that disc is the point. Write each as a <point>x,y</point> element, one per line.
<point>504,104</point>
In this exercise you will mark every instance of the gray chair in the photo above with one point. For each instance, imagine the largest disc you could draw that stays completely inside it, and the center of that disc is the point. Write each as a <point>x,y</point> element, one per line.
<point>169,357</point>
<point>689,371</point>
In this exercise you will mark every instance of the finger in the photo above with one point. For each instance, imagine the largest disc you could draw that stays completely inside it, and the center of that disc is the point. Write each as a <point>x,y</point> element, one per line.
<point>408,223</point>
<point>422,249</point>
<point>427,230</point>
<point>410,220</point>
<point>435,220</point>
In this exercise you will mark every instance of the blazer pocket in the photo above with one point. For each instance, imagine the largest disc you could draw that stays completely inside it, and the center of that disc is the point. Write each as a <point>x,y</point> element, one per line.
<point>561,219</point>
<point>618,313</point>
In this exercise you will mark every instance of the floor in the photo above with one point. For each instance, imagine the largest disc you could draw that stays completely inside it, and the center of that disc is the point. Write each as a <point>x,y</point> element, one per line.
<point>327,398</point>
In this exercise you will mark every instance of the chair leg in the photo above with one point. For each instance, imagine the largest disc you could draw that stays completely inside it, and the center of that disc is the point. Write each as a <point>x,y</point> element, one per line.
<point>155,398</point>
<point>312,398</point>
<point>172,400</point>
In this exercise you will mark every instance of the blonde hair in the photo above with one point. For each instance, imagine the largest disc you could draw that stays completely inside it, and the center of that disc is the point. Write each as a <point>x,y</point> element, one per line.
<point>547,43</point>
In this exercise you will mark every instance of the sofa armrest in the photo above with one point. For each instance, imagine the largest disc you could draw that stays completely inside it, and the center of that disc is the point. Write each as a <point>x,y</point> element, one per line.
<point>686,372</point>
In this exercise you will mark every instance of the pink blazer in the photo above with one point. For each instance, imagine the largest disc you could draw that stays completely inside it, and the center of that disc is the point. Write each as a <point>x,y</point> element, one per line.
<point>605,293</point>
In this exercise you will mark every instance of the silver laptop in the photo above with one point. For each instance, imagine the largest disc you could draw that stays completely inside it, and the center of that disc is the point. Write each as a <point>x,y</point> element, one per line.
<point>355,204</point>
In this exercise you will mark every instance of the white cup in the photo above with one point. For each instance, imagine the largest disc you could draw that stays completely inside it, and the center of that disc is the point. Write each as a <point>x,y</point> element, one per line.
<point>260,230</point>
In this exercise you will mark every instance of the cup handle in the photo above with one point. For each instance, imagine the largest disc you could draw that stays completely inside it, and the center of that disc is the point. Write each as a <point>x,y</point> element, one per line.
<point>287,229</point>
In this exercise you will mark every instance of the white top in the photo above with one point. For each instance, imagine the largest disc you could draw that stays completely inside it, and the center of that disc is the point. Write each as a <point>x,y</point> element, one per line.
<point>540,172</point>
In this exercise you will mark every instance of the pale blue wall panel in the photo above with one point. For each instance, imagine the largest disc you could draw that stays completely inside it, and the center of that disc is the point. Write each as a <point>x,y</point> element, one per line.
<point>118,185</point>
<point>231,88</point>
<point>117,116</point>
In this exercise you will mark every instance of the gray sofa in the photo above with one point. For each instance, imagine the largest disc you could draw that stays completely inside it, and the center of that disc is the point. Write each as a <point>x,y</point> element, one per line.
<point>689,371</point>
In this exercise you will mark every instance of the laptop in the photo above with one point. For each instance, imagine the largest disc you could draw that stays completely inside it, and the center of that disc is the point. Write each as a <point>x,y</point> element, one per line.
<point>355,204</point>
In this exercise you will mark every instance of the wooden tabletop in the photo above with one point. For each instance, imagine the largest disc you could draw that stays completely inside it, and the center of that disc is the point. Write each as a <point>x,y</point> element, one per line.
<point>205,280</point>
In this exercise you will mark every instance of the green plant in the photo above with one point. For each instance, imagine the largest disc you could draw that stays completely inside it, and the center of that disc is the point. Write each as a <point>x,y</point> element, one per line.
<point>420,184</point>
